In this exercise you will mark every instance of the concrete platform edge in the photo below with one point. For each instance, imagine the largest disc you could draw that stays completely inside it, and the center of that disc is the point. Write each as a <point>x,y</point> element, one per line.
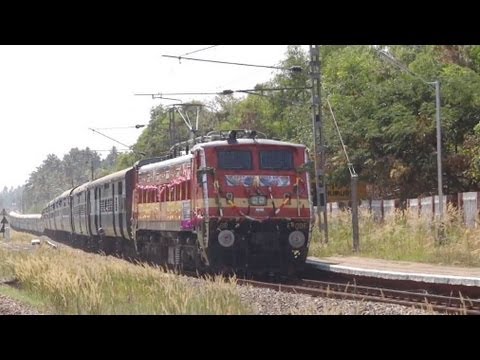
<point>429,278</point>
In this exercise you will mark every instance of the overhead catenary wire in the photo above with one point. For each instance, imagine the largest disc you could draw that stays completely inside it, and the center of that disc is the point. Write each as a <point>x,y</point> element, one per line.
<point>293,68</point>
<point>193,52</point>
<point>156,96</point>
<point>107,150</point>
<point>256,92</point>
<point>230,92</point>
<point>138,126</point>
<point>108,137</point>
<point>386,55</point>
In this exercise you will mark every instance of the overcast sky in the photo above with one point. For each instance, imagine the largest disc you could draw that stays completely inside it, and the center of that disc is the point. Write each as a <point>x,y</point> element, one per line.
<point>51,95</point>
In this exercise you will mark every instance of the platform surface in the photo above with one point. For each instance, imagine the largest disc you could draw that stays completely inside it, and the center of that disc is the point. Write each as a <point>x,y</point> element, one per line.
<point>402,270</point>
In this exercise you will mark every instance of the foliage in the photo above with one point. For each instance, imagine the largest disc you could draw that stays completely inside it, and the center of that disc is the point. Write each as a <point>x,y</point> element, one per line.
<point>387,118</point>
<point>54,176</point>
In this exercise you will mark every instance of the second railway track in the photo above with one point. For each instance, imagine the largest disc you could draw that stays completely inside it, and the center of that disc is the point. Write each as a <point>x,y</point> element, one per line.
<point>439,303</point>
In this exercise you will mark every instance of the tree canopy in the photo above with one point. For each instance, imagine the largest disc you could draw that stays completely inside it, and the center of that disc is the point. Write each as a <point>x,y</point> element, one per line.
<point>386,116</point>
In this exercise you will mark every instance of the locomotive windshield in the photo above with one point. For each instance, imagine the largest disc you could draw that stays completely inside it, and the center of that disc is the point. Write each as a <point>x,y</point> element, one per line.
<point>235,160</point>
<point>276,160</point>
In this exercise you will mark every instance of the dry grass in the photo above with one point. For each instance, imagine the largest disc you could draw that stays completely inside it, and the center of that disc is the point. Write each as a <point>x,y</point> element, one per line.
<point>74,282</point>
<point>403,236</point>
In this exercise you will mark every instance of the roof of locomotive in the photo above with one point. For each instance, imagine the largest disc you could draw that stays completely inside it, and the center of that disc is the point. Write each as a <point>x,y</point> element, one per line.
<point>246,142</point>
<point>165,163</point>
<point>186,158</point>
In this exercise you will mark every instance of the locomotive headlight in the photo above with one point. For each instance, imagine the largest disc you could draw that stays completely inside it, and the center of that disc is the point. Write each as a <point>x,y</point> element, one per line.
<point>258,200</point>
<point>296,239</point>
<point>226,238</point>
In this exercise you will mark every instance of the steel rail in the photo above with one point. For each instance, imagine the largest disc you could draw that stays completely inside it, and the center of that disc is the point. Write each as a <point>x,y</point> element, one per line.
<point>439,303</point>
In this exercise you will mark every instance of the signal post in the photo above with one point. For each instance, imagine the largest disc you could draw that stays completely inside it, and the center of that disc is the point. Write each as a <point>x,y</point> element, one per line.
<point>5,229</point>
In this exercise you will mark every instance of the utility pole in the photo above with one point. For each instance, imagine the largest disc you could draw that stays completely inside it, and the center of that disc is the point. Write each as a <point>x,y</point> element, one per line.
<point>439,150</point>
<point>355,233</point>
<point>318,144</point>
<point>171,126</point>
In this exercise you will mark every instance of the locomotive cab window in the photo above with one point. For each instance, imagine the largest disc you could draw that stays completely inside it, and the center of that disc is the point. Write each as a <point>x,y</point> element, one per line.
<point>235,160</point>
<point>276,160</point>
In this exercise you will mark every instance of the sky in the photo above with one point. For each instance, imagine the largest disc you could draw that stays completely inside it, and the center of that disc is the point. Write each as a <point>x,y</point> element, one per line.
<point>51,95</point>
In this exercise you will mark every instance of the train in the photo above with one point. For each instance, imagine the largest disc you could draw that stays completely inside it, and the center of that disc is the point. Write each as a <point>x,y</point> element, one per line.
<point>32,223</point>
<point>228,201</point>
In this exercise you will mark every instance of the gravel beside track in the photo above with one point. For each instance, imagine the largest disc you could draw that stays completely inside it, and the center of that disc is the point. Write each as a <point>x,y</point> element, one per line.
<point>12,307</point>
<point>271,302</point>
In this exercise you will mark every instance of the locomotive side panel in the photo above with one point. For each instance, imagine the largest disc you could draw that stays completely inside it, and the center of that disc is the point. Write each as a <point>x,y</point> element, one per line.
<point>163,194</point>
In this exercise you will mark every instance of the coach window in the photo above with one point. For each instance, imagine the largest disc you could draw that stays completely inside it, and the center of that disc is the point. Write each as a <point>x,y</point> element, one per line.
<point>120,188</point>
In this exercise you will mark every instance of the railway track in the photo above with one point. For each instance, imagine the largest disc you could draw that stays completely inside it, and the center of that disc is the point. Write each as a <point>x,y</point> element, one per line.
<point>440,303</point>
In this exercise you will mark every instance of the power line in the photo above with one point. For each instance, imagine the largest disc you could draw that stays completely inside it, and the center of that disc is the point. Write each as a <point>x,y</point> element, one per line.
<point>229,92</point>
<point>193,52</point>
<point>138,126</point>
<point>108,137</point>
<point>293,68</point>
<point>108,150</point>
<point>157,96</point>
<point>386,55</point>
<point>256,92</point>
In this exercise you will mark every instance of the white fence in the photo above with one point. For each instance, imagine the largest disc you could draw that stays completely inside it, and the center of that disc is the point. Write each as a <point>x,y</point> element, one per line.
<point>427,207</point>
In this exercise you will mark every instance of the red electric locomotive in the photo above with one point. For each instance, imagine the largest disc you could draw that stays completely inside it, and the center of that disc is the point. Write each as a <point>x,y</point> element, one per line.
<point>234,202</point>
